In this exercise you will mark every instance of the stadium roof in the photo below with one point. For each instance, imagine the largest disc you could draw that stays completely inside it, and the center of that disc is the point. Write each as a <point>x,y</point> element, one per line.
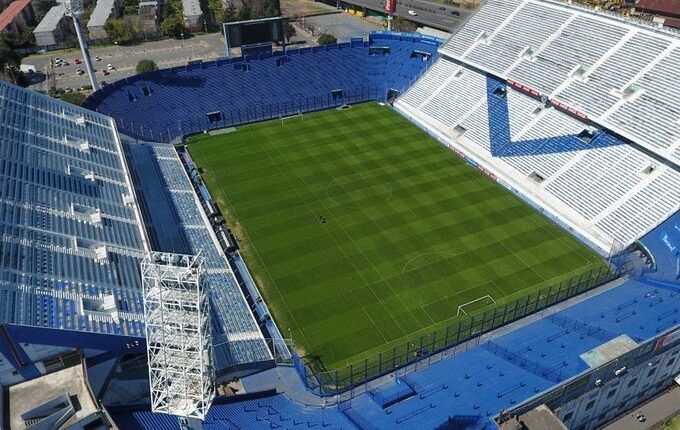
<point>102,11</point>
<point>10,13</point>
<point>72,237</point>
<point>51,20</point>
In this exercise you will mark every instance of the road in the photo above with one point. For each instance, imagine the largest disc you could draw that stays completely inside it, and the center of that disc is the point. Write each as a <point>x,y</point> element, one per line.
<point>428,13</point>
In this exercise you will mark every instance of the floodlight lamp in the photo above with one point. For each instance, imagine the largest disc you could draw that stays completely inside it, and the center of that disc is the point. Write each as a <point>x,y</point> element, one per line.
<point>74,8</point>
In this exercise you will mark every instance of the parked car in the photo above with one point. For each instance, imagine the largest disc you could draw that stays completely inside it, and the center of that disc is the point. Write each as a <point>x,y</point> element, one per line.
<point>106,73</point>
<point>97,58</point>
<point>77,61</point>
<point>110,67</point>
<point>80,72</point>
<point>413,13</point>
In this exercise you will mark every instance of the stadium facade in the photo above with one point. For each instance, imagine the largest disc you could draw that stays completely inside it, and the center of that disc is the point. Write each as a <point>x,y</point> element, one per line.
<point>584,128</point>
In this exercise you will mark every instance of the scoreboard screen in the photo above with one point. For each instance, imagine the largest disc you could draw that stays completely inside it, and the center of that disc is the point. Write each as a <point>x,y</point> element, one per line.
<point>255,32</point>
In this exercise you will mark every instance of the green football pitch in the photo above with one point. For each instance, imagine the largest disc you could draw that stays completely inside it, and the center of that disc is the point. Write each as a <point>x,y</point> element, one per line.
<point>363,231</point>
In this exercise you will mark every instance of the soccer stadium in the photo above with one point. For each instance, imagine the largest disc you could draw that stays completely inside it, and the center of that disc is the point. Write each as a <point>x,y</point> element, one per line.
<point>396,232</point>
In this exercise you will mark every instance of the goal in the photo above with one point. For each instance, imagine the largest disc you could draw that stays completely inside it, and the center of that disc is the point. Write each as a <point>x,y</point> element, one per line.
<point>298,116</point>
<point>480,302</point>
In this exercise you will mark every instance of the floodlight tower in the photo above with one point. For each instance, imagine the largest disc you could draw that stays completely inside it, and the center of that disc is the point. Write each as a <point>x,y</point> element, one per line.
<point>74,9</point>
<point>179,346</point>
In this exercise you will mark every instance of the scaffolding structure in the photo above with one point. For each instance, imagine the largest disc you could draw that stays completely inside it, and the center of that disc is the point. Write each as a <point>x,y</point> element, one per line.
<point>179,346</point>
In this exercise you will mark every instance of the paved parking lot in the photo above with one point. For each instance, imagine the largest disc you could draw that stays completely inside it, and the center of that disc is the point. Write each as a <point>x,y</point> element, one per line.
<point>166,53</point>
<point>343,26</point>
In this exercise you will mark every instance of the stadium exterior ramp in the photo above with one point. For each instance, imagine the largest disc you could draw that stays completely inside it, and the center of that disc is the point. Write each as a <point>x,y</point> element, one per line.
<point>607,190</point>
<point>72,237</point>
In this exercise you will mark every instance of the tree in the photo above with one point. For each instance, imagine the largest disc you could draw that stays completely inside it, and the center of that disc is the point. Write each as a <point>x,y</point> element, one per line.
<point>229,13</point>
<point>130,7</point>
<point>403,24</point>
<point>245,12</point>
<point>118,31</point>
<point>272,8</point>
<point>289,31</point>
<point>145,66</point>
<point>75,98</point>
<point>173,26</point>
<point>10,63</point>
<point>327,39</point>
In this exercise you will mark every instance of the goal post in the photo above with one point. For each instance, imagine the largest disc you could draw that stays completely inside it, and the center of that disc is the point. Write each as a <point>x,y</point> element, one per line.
<point>487,299</point>
<point>298,115</point>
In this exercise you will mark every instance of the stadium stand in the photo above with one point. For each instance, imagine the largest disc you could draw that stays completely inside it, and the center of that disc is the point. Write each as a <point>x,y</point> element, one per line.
<point>172,204</point>
<point>607,190</point>
<point>170,103</point>
<point>475,384</point>
<point>73,237</point>
<point>663,243</point>
<point>74,230</point>
<point>620,74</point>
<point>68,235</point>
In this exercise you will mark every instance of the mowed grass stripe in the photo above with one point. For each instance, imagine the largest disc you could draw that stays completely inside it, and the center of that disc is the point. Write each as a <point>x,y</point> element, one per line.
<point>410,232</point>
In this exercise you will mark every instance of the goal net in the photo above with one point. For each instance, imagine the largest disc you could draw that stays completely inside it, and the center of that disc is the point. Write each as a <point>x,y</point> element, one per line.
<point>475,304</point>
<point>298,117</point>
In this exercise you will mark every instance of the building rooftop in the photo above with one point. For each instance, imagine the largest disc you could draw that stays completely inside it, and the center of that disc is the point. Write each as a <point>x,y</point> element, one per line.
<point>28,395</point>
<point>11,12</point>
<point>192,8</point>
<point>51,19</point>
<point>661,7</point>
<point>101,12</point>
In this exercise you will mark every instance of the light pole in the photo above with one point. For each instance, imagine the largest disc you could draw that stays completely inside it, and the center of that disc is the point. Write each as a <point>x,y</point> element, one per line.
<point>74,9</point>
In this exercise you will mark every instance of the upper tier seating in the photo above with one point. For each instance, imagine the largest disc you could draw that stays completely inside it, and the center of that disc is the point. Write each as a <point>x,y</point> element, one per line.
<point>622,75</point>
<point>72,239</point>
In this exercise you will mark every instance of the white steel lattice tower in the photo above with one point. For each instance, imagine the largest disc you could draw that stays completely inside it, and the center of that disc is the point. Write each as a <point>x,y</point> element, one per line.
<point>179,347</point>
